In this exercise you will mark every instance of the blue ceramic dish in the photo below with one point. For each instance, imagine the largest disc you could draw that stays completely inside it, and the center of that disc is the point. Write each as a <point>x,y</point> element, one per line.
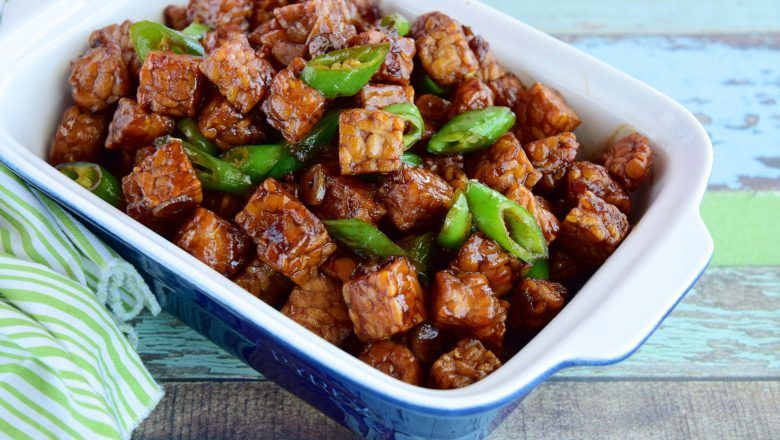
<point>608,319</point>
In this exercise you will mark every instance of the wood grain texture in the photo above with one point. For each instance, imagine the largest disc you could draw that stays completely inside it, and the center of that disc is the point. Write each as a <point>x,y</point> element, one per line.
<point>728,326</point>
<point>557,409</point>
<point>730,83</point>
<point>646,17</point>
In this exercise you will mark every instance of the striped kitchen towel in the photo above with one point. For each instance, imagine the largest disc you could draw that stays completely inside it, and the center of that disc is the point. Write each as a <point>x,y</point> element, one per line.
<point>67,364</point>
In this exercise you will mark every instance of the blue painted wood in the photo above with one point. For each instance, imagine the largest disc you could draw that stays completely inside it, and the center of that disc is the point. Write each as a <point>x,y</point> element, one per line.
<point>727,327</point>
<point>732,84</point>
<point>645,17</point>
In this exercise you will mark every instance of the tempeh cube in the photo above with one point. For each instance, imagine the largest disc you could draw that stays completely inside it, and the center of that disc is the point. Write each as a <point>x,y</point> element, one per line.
<point>227,127</point>
<point>467,363</point>
<point>593,229</point>
<point>214,241</point>
<point>241,76</point>
<point>333,196</point>
<point>171,84</point>
<point>629,160</point>
<point>393,359</point>
<point>588,176</point>
<point>471,94</point>
<point>133,126</point>
<point>216,13</point>
<point>386,301</point>
<point>370,141</point>
<point>163,187</point>
<point>262,281</point>
<point>319,306</point>
<point>292,106</point>
<point>443,49</point>
<point>415,197</point>
<point>289,237</point>
<point>79,137</point>
<point>505,164</point>
<point>378,96</point>
<point>99,77</point>
<point>542,112</point>
<point>483,255</point>
<point>552,156</point>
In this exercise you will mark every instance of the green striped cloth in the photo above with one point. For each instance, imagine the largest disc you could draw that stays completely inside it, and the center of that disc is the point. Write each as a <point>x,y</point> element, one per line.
<point>68,368</point>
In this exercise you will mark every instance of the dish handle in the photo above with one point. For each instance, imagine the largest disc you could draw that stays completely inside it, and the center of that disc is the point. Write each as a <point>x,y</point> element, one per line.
<point>626,318</point>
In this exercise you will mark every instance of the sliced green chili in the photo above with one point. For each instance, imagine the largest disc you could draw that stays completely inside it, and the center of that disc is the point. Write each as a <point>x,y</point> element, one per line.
<point>457,223</point>
<point>344,72</point>
<point>363,238</point>
<point>148,36</point>
<point>506,222</point>
<point>286,164</point>
<point>420,250</point>
<point>95,178</point>
<point>426,85</point>
<point>411,159</point>
<point>254,160</point>
<point>212,172</point>
<point>189,129</point>
<point>196,30</point>
<point>411,114</point>
<point>316,141</point>
<point>540,270</point>
<point>397,21</point>
<point>471,131</point>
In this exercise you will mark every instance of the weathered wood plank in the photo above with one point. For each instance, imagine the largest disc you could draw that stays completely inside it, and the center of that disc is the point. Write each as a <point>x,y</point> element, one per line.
<point>727,327</point>
<point>645,17</point>
<point>557,409</point>
<point>605,16</point>
<point>737,101</point>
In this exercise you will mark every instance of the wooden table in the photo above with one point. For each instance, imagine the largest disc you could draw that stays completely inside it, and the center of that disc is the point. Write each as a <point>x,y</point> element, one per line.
<point>712,370</point>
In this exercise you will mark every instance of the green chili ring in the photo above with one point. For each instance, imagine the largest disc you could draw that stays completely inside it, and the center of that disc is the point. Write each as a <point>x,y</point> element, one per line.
<point>540,270</point>
<point>505,222</point>
<point>397,21</point>
<point>257,161</point>
<point>148,36</point>
<point>95,178</point>
<point>344,72</point>
<point>472,131</point>
<point>410,114</point>
<point>457,223</point>
<point>189,129</point>
<point>315,142</point>
<point>411,159</point>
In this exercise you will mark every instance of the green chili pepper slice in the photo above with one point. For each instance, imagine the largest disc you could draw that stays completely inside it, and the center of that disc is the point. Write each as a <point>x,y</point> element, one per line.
<point>540,270</point>
<point>212,172</point>
<point>316,141</point>
<point>506,222</point>
<point>457,223</point>
<point>196,30</point>
<point>411,114</point>
<point>344,72</point>
<point>189,129</point>
<point>420,249</point>
<point>286,164</point>
<point>148,36</point>
<point>426,85</point>
<point>471,131</point>
<point>95,178</point>
<point>363,238</point>
<point>397,21</point>
<point>411,159</point>
<point>254,160</point>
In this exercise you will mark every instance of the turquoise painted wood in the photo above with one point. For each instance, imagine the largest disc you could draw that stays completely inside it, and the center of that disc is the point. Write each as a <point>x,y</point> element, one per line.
<point>728,326</point>
<point>645,17</point>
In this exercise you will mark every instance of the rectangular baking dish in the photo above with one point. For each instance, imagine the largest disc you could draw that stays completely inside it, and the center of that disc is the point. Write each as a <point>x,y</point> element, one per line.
<point>608,319</point>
